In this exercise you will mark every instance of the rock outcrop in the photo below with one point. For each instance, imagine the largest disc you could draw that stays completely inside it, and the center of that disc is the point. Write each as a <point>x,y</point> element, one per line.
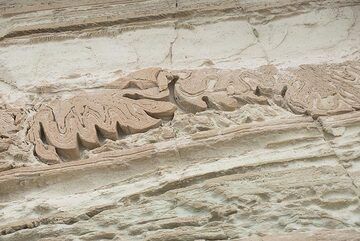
<point>179,120</point>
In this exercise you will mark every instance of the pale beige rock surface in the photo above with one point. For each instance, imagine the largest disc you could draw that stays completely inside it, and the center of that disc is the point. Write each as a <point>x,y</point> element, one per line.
<point>180,120</point>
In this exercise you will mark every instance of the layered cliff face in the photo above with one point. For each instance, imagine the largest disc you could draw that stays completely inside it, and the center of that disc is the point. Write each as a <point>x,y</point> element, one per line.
<point>180,120</point>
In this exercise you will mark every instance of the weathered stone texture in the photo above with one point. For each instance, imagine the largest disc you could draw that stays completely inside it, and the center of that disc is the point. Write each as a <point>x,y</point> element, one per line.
<point>179,120</point>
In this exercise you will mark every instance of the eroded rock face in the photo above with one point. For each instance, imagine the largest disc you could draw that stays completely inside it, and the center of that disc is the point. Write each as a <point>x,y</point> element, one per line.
<point>325,89</point>
<point>14,149</point>
<point>137,102</point>
<point>310,89</point>
<point>179,120</point>
<point>61,127</point>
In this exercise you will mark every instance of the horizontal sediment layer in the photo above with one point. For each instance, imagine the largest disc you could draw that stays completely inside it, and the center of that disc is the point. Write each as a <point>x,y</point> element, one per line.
<point>59,16</point>
<point>179,120</point>
<point>256,171</point>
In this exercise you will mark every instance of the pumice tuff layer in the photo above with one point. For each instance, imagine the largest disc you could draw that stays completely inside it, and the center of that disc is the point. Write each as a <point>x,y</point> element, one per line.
<point>179,120</point>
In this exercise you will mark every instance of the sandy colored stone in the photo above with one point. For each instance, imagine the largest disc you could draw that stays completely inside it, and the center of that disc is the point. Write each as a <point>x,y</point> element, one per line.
<point>179,120</point>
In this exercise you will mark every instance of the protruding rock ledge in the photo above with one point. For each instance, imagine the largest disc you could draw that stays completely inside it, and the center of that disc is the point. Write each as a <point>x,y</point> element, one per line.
<point>137,102</point>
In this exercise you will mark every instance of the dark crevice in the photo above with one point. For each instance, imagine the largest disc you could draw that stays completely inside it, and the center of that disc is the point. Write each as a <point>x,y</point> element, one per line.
<point>133,96</point>
<point>119,131</point>
<point>206,100</point>
<point>257,91</point>
<point>42,134</point>
<point>59,153</point>
<point>284,90</point>
<point>100,135</point>
<point>171,87</point>
<point>81,146</point>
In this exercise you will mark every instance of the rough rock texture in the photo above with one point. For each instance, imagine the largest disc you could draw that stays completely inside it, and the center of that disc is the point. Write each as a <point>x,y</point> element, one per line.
<point>180,120</point>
